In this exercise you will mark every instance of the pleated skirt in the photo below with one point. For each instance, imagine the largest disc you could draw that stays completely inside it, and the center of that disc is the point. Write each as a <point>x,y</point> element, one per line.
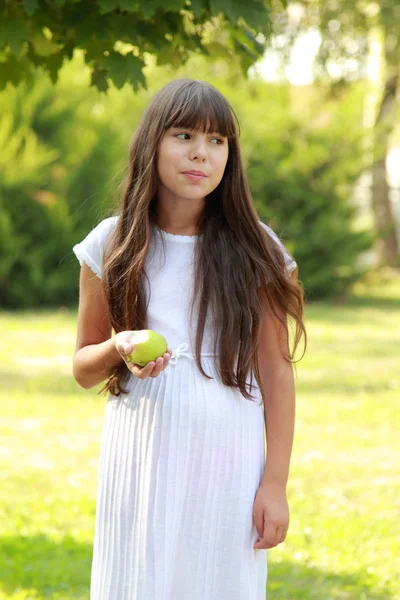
<point>181,460</point>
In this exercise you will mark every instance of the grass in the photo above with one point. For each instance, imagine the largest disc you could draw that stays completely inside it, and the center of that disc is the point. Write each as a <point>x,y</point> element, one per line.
<point>344,488</point>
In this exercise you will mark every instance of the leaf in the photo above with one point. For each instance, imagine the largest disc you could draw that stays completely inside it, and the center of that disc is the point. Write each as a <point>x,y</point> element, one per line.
<point>68,50</point>
<point>30,7</point>
<point>252,38</point>
<point>255,12</point>
<point>245,42</point>
<point>218,50</point>
<point>95,47</point>
<point>106,6</point>
<point>247,57</point>
<point>15,34</point>
<point>150,7</point>
<point>99,79</point>
<point>170,55</point>
<point>90,23</point>
<point>3,31</point>
<point>125,68</point>
<point>123,27</point>
<point>53,64</point>
<point>170,5</point>
<point>42,45</point>
<point>129,6</point>
<point>198,6</point>
<point>157,27</point>
<point>14,70</point>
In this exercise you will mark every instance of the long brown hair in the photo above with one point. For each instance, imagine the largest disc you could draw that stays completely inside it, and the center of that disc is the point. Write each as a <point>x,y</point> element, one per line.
<point>237,263</point>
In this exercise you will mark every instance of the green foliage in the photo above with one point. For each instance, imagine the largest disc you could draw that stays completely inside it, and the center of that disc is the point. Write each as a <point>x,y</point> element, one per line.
<point>46,138</point>
<point>116,35</point>
<point>67,153</point>
<point>303,159</point>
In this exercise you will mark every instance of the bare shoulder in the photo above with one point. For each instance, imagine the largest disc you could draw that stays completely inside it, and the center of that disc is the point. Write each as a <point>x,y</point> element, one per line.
<point>94,324</point>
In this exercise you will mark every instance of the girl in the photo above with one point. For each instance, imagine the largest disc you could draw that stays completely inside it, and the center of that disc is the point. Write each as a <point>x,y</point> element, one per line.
<point>187,505</point>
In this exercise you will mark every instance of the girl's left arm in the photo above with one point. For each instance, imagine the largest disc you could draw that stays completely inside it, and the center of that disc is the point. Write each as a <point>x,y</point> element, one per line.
<point>271,512</point>
<point>278,390</point>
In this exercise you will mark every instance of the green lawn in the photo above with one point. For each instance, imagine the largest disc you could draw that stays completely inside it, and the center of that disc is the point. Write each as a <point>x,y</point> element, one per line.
<point>344,489</point>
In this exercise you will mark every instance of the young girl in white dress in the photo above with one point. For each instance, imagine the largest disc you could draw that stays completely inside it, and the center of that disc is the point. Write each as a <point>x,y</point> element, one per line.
<point>188,501</point>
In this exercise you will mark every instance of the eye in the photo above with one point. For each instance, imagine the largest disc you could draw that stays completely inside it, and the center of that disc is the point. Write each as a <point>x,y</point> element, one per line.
<point>216,140</point>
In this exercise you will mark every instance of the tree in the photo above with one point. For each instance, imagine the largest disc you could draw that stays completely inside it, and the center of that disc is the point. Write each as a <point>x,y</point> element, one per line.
<point>116,35</point>
<point>64,156</point>
<point>56,161</point>
<point>347,29</point>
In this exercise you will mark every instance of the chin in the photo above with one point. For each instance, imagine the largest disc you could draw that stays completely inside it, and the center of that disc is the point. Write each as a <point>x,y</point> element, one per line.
<point>192,194</point>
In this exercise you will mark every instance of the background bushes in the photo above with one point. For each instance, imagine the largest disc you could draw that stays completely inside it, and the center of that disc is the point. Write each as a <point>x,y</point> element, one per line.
<point>64,152</point>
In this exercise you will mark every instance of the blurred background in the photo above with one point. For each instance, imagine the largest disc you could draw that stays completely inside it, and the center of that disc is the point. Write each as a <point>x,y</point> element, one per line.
<point>315,86</point>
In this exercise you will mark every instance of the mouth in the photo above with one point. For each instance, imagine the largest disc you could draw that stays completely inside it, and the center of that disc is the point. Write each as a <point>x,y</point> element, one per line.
<point>194,175</point>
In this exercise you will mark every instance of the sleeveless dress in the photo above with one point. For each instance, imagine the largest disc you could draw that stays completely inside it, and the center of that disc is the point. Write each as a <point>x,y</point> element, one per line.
<point>181,458</point>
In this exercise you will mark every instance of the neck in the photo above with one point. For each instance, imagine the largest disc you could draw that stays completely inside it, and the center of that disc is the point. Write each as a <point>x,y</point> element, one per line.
<point>179,216</point>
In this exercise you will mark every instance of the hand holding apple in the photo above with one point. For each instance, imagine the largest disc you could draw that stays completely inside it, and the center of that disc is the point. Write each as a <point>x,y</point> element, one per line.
<point>145,352</point>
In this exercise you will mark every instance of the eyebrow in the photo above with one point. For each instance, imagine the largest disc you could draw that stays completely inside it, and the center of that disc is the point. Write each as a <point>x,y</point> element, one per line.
<point>191,129</point>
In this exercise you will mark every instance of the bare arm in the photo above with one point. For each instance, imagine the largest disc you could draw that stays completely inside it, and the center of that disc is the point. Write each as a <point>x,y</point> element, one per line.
<point>279,397</point>
<point>95,354</point>
<point>279,411</point>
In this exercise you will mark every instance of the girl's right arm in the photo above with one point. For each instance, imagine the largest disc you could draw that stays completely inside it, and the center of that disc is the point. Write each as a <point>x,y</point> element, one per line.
<point>96,355</point>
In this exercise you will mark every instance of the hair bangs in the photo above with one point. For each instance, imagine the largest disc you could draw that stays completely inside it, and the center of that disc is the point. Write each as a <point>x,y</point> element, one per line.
<point>201,108</point>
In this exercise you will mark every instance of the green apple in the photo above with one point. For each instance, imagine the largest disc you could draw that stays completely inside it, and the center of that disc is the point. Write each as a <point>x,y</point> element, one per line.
<point>147,346</point>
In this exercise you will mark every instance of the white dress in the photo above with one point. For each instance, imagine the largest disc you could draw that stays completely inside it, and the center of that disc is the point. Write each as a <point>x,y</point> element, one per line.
<point>181,460</point>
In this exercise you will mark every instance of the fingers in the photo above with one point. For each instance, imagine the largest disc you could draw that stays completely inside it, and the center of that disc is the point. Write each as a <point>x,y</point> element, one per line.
<point>163,363</point>
<point>124,348</point>
<point>271,537</point>
<point>153,368</point>
<point>128,349</point>
<point>121,348</point>
<point>141,372</point>
<point>260,526</point>
<point>160,364</point>
<point>258,518</point>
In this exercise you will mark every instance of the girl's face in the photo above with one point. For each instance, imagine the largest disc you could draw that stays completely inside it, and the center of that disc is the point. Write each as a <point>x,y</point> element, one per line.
<point>184,150</point>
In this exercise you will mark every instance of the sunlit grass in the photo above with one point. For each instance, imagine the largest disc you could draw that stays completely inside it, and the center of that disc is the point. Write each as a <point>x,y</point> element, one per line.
<point>344,488</point>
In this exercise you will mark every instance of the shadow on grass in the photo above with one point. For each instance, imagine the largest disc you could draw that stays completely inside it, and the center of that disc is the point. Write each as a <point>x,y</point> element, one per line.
<point>288,581</point>
<point>46,567</point>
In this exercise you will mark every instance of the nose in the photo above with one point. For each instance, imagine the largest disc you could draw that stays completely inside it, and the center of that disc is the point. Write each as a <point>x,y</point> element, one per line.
<point>198,150</point>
